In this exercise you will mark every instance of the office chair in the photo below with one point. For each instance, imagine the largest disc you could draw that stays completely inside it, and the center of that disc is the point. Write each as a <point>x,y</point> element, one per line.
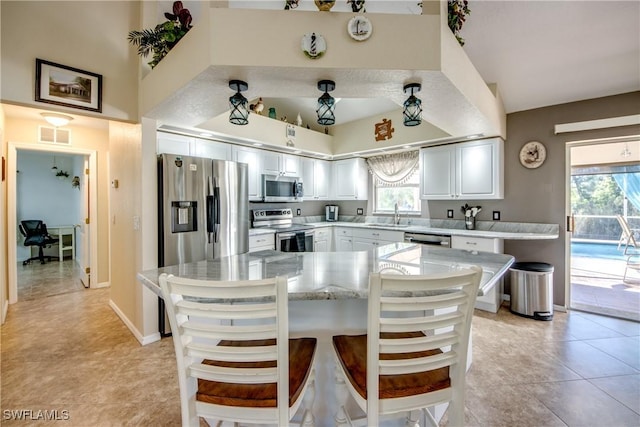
<point>35,234</point>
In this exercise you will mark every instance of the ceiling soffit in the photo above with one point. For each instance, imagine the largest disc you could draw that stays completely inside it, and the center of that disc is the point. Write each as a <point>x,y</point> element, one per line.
<point>190,86</point>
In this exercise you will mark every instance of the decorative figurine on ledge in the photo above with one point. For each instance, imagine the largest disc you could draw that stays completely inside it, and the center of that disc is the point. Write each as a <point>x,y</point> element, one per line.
<point>357,6</point>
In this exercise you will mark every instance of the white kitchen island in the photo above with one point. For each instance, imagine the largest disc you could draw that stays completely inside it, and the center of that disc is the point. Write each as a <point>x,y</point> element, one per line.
<point>328,290</point>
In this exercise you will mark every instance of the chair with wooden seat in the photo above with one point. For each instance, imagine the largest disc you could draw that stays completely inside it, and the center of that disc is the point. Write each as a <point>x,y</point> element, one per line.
<point>414,354</point>
<point>235,360</point>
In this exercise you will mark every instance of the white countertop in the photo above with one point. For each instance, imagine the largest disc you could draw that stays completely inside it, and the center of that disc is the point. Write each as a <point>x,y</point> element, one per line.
<point>485,229</point>
<point>337,275</point>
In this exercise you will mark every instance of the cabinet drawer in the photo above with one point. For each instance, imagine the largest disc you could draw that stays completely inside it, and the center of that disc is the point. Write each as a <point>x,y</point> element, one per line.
<point>261,242</point>
<point>322,233</point>
<point>344,232</point>
<point>372,233</point>
<point>477,244</point>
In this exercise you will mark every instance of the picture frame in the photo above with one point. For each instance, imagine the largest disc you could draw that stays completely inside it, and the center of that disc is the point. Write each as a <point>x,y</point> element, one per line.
<point>67,86</point>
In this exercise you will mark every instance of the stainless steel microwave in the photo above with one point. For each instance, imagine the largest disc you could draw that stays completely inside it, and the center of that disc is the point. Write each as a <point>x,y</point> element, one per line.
<point>278,188</point>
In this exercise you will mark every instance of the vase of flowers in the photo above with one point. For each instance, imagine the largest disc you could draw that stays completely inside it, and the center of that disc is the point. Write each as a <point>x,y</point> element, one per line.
<point>470,213</point>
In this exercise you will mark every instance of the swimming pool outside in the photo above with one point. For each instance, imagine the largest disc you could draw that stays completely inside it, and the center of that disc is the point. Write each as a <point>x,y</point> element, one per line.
<point>605,250</point>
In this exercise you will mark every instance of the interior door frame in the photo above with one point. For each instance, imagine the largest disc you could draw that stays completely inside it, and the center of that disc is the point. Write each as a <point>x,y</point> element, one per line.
<point>568,234</point>
<point>12,237</point>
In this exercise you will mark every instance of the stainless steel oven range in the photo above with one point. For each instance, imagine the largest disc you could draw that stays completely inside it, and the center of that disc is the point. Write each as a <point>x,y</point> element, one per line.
<point>290,237</point>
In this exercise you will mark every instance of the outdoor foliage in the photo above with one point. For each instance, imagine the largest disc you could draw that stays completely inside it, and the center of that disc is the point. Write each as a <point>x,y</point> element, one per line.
<point>599,195</point>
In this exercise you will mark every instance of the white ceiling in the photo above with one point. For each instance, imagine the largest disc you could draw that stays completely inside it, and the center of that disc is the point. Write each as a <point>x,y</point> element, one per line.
<point>539,53</point>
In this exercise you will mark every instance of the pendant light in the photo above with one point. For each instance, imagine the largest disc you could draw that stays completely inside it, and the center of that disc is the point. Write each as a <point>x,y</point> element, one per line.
<point>326,103</point>
<point>412,110</point>
<point>54,169</point>
<point>239,105</point>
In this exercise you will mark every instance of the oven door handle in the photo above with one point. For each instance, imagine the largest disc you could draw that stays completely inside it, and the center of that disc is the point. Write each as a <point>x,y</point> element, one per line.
<point>282,236</point>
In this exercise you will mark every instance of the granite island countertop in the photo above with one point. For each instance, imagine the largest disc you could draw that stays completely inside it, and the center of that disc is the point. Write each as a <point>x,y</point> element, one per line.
<point>337,275</point>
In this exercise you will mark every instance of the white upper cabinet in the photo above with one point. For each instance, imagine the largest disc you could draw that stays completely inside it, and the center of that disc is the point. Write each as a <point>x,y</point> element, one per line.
<point>189,146</point>
<point>468,170</point>
<point>316,177</point>
<point>251,157</point>
<point>350,179</point>
<point>212,149</point>
<point>280,164</point>
<point>169,143</point>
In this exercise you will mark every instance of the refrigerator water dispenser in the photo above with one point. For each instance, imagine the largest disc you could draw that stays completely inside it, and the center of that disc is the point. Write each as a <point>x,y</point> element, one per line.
<point>184,216</point>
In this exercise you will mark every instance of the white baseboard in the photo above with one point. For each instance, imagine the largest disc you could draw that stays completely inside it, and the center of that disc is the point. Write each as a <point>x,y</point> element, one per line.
<point>102,285</point>
<point>143,340</point>
<point>560,308</point>
<point>5,310</point>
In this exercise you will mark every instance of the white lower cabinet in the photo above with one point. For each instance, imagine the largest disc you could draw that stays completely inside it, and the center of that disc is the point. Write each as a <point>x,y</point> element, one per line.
<point>366,238</point>
<point>262,242</point>
<point>322,240</point>
<point>490,302</point>
<point>343,238</point>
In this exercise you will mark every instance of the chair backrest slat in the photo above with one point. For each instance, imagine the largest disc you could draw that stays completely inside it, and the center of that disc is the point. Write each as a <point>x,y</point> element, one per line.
<point>229,332</point>
<point>423,322</point>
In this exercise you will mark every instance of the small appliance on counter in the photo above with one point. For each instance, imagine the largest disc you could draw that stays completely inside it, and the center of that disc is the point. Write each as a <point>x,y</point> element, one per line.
<point>331,213</point>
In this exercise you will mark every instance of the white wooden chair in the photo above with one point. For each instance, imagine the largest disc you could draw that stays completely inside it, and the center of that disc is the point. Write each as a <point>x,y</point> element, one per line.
<point>627,236</point>
<point>414,355</point>
<point>235,360</point>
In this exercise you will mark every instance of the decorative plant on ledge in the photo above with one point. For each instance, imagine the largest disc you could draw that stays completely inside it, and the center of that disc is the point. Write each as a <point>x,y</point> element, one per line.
<point>62,174</point>
<point>457,14</point>
<point>163,37</point>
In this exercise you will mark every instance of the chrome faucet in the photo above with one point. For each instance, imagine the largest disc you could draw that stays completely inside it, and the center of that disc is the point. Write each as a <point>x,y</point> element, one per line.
<point>396,215</point>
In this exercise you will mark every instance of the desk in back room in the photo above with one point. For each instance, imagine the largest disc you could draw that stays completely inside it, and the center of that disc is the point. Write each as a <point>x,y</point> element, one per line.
<point>66,235</point>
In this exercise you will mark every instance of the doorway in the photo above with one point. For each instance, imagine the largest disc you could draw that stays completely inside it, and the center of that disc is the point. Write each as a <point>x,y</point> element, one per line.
<point>87,246</point>
<point>599,280</point>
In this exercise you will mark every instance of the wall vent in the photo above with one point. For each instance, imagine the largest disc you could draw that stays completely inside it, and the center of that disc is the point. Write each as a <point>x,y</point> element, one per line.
<point>54,135</point>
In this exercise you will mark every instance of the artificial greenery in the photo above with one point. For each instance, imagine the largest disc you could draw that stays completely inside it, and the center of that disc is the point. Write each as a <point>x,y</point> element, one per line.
<point>457,14</point>
<point>458,11</point>
<point>161,39</point>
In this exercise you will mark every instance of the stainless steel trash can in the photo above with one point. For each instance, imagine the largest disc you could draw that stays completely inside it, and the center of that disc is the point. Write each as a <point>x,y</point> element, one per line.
<point>532,290</point>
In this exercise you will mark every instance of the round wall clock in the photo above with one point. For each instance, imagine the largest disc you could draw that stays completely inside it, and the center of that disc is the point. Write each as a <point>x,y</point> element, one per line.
<point>359,28</point>
<point>533,154</point>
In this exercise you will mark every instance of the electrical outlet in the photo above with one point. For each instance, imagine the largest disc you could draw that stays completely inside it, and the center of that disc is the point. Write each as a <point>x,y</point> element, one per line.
<point>449,213</point>
<point>496,215</point>
<point>298,211</point>
<point>360,211</point>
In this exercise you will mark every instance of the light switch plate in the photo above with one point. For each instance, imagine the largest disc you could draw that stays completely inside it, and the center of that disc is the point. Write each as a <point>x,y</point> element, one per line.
<point>449,213</point>
<point>496,215</point>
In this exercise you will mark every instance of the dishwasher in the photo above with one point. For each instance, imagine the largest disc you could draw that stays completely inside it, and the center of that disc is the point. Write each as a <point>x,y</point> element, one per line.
<point>428,239</point>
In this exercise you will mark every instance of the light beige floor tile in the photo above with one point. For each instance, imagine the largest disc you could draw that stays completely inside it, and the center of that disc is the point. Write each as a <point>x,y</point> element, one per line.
<point>589,362</point>
<point>625,390</point>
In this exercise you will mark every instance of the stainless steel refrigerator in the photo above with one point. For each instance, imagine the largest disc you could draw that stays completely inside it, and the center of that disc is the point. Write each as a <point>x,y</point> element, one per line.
<point>203,211</point>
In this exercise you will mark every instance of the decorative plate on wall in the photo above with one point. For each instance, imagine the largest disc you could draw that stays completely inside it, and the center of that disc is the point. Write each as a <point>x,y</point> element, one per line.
<point>313,45</point>
<point>359,28</point>
<point>533,154</point>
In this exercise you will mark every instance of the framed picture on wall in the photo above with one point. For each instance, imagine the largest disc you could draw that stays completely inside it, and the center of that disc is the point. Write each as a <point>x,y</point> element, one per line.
<point>61,85</point>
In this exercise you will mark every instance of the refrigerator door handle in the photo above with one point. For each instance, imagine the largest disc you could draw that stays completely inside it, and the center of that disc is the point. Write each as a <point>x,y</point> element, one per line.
<point>210,211</point>
<point>216,211</point>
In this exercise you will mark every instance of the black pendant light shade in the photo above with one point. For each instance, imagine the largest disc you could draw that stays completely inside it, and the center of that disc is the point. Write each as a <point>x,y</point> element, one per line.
<point>239,105</point>
<point>326,103</point>
<point>412,111</point>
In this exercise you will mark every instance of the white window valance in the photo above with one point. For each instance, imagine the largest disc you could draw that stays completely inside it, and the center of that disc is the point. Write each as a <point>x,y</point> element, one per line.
<point>393,169</point>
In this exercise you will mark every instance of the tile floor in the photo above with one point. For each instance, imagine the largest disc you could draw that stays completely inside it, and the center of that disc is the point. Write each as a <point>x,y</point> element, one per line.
<point>70,352</point>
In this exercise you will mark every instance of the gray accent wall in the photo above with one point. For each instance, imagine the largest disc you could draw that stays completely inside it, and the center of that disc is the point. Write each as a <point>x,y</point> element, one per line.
<point>539,195</point>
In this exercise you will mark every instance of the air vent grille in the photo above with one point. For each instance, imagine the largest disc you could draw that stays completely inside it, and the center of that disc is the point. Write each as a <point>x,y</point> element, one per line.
<point>54,135</point>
